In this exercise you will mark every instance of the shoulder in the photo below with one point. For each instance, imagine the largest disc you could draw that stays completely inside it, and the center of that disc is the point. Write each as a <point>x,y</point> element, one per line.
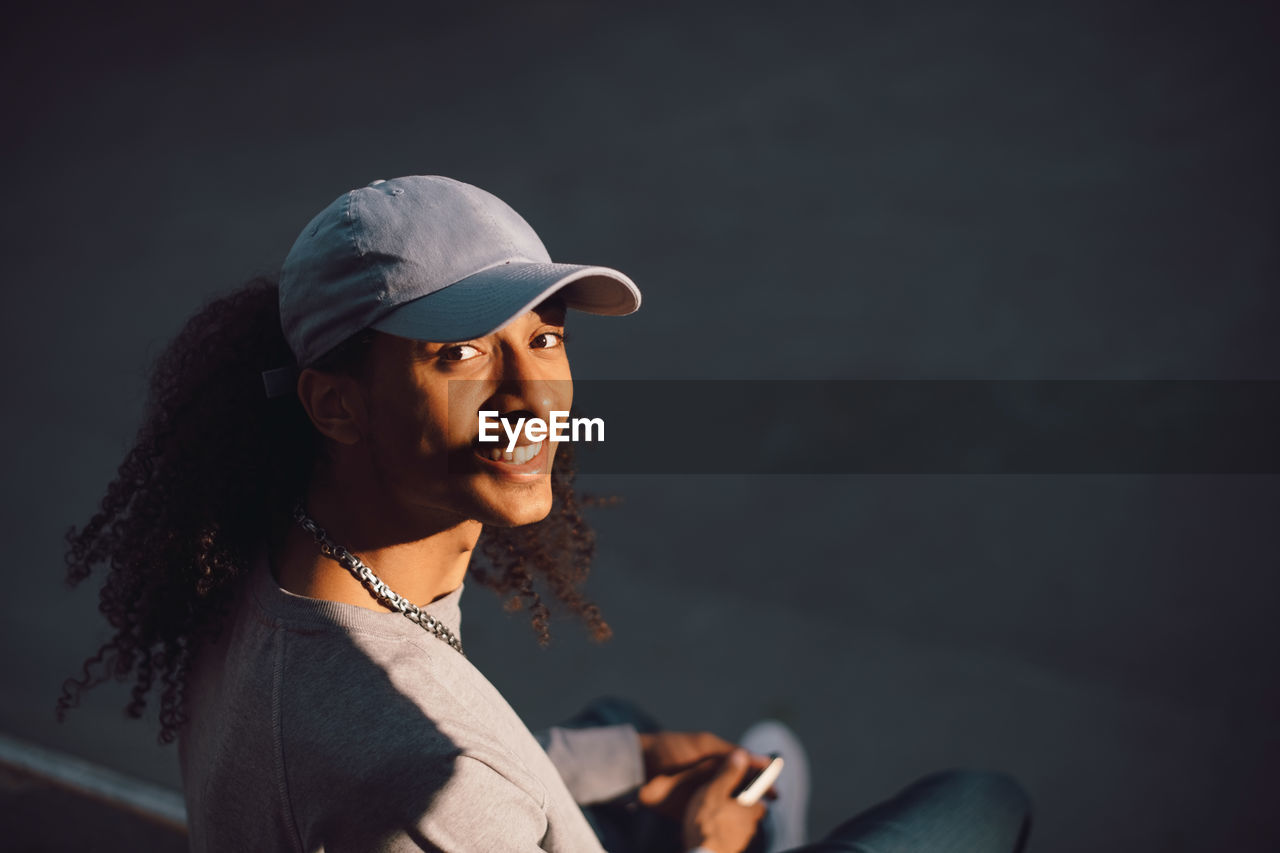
<point>375,709</point>
<point>332,685</point>
<point>382,730</point>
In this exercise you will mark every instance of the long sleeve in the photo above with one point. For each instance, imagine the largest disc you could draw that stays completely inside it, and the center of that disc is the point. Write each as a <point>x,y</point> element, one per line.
<point>597,763</point>
<point>477,809</point>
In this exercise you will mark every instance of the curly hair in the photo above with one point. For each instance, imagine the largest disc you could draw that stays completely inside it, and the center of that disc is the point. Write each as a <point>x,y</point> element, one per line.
<point>215,469</point>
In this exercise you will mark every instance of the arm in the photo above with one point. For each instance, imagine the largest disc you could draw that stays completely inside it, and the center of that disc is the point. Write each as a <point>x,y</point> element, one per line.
<point>598,763</point>
<point>477,809</point>
<point>464,805</point>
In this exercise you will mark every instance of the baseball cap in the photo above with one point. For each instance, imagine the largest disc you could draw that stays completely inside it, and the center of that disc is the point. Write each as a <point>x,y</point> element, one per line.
<point>424,257</point>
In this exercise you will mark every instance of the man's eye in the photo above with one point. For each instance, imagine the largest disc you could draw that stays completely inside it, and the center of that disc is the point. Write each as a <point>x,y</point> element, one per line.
<point>549,340</point>
<point>459,352</point>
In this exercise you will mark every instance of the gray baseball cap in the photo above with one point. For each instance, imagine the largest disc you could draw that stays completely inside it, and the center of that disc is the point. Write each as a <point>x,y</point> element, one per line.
<point>423,257</point>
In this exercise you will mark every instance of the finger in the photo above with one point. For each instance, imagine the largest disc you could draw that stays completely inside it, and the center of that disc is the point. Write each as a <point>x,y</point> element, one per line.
<point>656,790</point>
<point>664,785</point>
<point>667,752</point>
<point>684,748</point>
<point>707,766</point>
<point>732,771</point>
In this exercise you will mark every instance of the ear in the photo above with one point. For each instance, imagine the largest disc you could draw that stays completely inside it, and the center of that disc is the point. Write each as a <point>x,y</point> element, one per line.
<point>335,404</point>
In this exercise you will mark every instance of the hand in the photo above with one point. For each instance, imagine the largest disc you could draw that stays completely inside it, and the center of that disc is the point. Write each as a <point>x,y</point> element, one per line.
<point>669,752</point>
<point>714,819</point>
<point>676,764</point>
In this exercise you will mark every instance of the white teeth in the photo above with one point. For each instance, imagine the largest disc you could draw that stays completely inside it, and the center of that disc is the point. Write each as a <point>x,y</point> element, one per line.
<point>518,456</point>
<point>524,454</point>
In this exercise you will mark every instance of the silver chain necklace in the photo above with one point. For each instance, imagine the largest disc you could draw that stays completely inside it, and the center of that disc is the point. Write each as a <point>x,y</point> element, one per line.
<point>379,590</point>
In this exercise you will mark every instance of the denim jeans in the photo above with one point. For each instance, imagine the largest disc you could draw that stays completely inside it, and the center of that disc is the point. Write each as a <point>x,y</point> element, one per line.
<point>956,811</point>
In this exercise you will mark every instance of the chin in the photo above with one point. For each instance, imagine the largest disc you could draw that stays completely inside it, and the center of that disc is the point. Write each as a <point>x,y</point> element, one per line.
<point>516,513</point>
<point>508,522</point>
<point>532,517</point>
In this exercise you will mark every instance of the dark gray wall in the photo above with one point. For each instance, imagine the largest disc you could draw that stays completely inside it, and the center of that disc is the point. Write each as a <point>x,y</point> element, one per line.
<point>821,190</point>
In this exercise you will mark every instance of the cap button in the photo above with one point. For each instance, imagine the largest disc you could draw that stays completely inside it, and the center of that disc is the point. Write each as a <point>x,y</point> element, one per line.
<point>375,183</point>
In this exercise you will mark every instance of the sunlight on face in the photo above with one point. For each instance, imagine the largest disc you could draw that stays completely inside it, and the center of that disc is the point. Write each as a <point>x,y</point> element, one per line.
<point>424,404</point>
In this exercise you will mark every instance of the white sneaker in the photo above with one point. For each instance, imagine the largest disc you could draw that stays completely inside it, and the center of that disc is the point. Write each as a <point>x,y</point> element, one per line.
<point>788,813</point>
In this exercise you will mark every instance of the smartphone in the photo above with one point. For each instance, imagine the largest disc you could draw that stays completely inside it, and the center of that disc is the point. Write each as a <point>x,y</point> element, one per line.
<point>753,788</point>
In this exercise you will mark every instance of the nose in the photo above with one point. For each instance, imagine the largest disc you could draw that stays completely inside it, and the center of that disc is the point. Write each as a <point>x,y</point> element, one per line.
<point>530,386</point>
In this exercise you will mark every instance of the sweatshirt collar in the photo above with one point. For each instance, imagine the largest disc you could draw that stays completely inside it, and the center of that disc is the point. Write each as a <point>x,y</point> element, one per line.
<point>292,607</point>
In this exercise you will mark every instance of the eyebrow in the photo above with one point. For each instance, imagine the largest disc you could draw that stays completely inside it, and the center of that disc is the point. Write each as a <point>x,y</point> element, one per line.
<point>554,306</point>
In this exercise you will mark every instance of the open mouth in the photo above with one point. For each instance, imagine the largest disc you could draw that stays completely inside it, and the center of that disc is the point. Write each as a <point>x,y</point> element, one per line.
<point>522,460</point>
<point>518,455</point>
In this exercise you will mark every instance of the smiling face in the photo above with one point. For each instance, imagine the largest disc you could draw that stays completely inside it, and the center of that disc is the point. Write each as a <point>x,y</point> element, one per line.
<point>425,399</point>
<point>416,425</point>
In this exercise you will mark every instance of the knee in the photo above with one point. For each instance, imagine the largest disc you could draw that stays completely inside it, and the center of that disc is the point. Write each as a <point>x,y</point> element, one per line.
<point>997,795</point>
<point>959,810</point>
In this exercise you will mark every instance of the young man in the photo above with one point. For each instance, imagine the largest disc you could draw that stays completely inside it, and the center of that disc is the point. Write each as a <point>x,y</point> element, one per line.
<point>289,565</point>
<point>408,486</point>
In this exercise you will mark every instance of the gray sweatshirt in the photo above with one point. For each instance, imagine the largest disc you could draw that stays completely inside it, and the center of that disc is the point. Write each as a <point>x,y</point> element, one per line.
<point>318,726</point>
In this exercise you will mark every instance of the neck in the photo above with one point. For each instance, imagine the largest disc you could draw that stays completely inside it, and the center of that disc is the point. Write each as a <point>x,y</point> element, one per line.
<point>421,555</point>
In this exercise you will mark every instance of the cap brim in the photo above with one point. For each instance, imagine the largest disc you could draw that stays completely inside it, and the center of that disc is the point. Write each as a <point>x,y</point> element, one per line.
<point>484,302</point>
